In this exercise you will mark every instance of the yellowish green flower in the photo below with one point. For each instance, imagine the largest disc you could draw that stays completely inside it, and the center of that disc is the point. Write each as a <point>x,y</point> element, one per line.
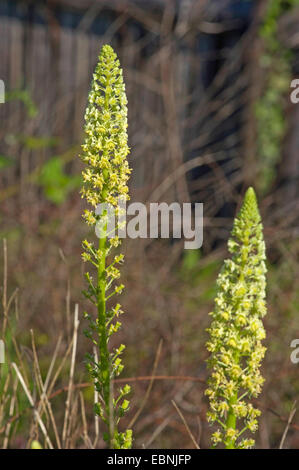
<point>105,178</point>
<point>237,330</point>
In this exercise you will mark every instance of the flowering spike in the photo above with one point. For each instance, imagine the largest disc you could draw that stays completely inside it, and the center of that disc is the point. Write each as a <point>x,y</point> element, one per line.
<point>236,331</point>
<point>105,152</point>
<point>106,142</point>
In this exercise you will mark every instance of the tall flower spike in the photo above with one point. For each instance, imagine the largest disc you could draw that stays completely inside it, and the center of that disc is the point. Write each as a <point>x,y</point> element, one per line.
<point>105,152</point>
<point>237,330</point>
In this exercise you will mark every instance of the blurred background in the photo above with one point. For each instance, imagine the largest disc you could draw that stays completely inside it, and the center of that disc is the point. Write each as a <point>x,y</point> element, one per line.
<point>208,85</point>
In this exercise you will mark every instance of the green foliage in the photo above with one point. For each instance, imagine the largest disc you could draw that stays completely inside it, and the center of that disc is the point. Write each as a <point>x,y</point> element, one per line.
<point>56,182</point>
<point>36,143</point>
<point>276,64</point>
<point>236,331</point>
<point>191,259</point>
<point>105,181</point>
<point>25,98</point>
<point>5,161</point>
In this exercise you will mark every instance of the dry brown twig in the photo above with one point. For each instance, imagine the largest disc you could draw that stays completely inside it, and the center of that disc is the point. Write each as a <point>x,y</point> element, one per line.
<point>148,391</point>
<point>86,437</point>
<point>291,416</point>
<point>11,411</point>
<point>31,401</point>
<point>185,424</point>
<point>66,423</point>
<point>44,404</point>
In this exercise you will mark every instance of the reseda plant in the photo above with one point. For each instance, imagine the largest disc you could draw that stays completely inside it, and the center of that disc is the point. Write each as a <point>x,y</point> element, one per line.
<point>236,331</point>
<point>105,152</point>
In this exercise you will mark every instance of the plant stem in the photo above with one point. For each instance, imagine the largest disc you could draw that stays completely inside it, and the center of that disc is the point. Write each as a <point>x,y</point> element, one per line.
<point>231,421</point>
<point>105,152</point>
<point>103,339</point>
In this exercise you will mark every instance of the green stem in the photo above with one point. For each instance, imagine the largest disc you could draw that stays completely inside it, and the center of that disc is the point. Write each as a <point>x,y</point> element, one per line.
<point>103,339</point>
<point>231,421</point>
<point>102,318</point>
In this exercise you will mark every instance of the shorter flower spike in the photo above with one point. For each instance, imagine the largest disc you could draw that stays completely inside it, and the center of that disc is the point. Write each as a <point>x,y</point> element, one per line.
<point>237,330</point>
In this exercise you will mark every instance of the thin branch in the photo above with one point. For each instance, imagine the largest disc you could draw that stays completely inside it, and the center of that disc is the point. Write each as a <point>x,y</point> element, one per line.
<point>185,424</point>
<point>30,399</point>
<point>71,378</point>
<point>291,416</point>
<point>148,391</point>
